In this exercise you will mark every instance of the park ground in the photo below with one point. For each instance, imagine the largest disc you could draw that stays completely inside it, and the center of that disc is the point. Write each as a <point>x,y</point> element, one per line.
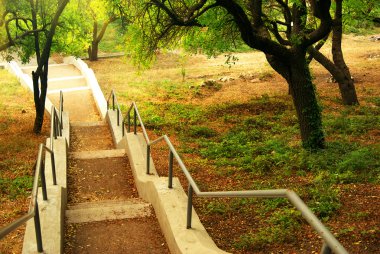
<point>236,132</point>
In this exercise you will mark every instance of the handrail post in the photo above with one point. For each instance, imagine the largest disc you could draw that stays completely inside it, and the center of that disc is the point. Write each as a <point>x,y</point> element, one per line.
<point>134,121</point>
<point>53,168</point>
<point>55,124</point>
<point>61,110</point>
<point>129,121</point>
<point>118,116</point>
<point>43,180</point>
<point>325,249</point>
<point>148,159</point>
<point>58,130</point>
<point>37,226</point>
<point>189,206</point>
<point>122,128</point>
<point>51,127</point>
<point>170,185</point>
<point>113,101</point>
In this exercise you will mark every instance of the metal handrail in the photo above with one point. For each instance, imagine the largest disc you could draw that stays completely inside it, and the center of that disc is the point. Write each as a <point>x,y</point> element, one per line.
<point>330,244</point>
<point>33,207</point>
<point>56,124</point>
<point>56,130</point>
<point>136,115</point>
<point>115,105</point>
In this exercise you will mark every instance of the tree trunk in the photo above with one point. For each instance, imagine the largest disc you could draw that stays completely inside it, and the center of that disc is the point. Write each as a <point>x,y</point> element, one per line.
<point>306,104</point>
<point>39,91</point>
<point>297,74</point>
<point>93,51</point>
<point>346,83</point>
<point>41,74</point>
<point>96,38</point>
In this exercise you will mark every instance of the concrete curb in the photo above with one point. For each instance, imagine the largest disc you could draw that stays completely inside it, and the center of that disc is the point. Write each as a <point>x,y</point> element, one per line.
<point>170,205</point>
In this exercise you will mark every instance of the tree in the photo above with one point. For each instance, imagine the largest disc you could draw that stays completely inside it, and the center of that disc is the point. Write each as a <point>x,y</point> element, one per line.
<point>89,20</point>
<point>30,27</point>
<point>99,11</point>
<point>338,67</point>
<point>279,28</point>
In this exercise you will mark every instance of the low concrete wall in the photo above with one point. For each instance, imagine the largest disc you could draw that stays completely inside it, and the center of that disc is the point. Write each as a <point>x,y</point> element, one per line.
<point>60,157</point>
<point>170,205</point>
<point>117,132</point>
<point>52,219</point>
<point>52,211</point>
<point>92,82</point>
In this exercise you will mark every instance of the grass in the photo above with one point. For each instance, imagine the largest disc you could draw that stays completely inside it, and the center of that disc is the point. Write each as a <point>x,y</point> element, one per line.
<point>18,152</point>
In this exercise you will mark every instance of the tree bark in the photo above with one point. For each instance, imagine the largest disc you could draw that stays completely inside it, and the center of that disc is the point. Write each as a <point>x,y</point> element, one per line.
<point>297,74</point>
<point>346,83</point>
<point>40,95</point>
<point>94,48</point>
<point>306,104</point>
<point>93,51</point>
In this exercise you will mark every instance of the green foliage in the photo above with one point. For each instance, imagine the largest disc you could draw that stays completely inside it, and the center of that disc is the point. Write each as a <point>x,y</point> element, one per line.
<point>283,225</point>
<point>216,207</point>
<point>324,199</point>
<point>19,20</point>
<point>358,15</point>
<point>219,36</point>
<point>355,126</point>
<point>362,162</point>
<point>13,188</point>
<point>201,131</point>
<point>173,114</point>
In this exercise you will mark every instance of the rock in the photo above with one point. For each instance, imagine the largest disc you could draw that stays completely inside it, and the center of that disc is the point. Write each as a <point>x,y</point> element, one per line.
<point>225,79</point>
<point>23,111</point>
<point>255,80</point>
<point>246,76</point>
<point>375,38</point>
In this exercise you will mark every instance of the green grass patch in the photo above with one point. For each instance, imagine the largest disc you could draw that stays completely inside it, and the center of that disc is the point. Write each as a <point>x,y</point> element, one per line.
<point>283,225</point>
<point>18,187</point>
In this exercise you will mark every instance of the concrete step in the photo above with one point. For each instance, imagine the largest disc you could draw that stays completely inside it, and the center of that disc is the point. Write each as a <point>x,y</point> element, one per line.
<point>79,104</point>
<point>91,138</point>
<point>93,180</point>
<point>107,210</point>
<point>99,154</point>
<point>56,70</point>
<point>88,124</point>
<point>66,83</point>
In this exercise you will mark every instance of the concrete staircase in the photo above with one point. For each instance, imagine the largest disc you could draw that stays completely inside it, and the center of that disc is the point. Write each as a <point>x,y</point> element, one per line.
<point>101,190</point>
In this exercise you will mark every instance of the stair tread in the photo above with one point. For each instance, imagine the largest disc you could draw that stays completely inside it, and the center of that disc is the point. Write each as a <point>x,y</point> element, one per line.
<point>98,154</point>
<point>108,210</point>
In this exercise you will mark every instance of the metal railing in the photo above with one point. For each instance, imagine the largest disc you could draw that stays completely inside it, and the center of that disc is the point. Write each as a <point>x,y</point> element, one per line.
<point>56,124</point>
<point>330,244</point>
<point>39,175</point>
